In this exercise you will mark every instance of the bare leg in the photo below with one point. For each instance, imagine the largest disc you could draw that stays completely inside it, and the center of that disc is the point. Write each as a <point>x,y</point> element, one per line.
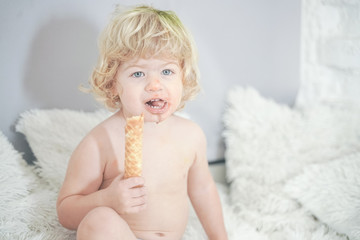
<point>104,223</point>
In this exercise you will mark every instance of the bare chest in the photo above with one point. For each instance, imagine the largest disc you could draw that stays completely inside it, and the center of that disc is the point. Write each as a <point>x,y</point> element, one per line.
<point>165,164</point>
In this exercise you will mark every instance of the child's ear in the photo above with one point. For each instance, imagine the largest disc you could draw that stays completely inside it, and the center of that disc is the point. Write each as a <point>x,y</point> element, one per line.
<point>116,88</point>
<point>115,94</point>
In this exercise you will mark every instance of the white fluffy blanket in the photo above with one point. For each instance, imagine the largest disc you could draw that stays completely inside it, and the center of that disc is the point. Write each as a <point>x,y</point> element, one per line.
<point>292,173</point>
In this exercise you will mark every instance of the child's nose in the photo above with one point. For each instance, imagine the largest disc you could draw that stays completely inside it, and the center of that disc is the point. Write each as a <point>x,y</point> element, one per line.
<point>153,84</point>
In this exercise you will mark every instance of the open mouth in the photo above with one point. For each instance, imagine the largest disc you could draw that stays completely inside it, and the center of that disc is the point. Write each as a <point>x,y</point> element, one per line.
<point>156,103</point>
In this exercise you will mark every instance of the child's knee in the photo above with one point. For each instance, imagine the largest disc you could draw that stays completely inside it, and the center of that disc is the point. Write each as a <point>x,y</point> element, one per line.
<point>100,221</point>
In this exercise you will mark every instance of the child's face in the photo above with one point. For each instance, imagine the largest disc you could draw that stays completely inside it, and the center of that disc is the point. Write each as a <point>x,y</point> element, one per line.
<point>152,86</point>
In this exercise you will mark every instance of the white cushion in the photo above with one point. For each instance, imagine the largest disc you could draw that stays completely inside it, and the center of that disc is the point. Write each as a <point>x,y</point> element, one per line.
<point>262,135</point>
<point>15,188</point>
<point>27,205</point>
<point>268,143</point>
<point>331,191</point>
<point>53,135</point>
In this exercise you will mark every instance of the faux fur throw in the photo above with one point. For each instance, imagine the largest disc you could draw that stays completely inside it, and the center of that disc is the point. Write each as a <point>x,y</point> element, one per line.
<point>288,167</point>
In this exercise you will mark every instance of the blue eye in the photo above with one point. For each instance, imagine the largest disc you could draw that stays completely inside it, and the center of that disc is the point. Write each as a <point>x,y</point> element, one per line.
<point>138,74</point>
<point>167,72</point>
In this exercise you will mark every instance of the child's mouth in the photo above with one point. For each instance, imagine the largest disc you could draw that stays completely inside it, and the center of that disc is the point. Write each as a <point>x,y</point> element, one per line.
<point>156,105</point>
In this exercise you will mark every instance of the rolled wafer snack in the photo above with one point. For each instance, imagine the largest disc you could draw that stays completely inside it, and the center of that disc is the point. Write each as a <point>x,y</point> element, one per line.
<point>133,146</point>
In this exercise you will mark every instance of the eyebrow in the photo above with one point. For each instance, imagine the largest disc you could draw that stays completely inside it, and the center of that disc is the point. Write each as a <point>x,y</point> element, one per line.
<point>172,63</point>
<point>145,65</point>
<point>133,66</point>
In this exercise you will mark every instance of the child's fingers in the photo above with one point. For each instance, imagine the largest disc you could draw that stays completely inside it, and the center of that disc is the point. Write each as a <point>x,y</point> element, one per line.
<point>134,182</point>
<point>138,201</point>
<point>138,192</point>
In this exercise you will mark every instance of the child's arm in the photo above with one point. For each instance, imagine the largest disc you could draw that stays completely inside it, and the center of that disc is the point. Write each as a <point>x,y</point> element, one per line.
<point>80,191</point>
<point>203,194</point>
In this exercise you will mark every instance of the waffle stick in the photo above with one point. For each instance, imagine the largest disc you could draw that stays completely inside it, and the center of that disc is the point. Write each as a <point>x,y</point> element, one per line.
<point>133,146</point>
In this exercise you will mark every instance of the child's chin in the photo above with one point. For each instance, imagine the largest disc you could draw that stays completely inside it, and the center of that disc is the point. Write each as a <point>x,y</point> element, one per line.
<point>156,118</point>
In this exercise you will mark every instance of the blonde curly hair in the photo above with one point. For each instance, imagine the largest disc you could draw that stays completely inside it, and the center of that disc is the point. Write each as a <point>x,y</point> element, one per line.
<point>143,32</point>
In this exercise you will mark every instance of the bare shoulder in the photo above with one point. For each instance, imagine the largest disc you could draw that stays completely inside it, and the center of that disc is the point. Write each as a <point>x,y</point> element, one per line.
<point>194,140</point>
<point>101,136</point>
<point>190,129</point>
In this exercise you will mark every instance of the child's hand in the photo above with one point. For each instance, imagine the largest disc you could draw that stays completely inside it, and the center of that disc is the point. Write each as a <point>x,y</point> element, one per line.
<point>127,195</point>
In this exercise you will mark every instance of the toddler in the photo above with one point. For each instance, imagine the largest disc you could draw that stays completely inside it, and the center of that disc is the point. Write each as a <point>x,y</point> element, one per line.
<point>147,65</point>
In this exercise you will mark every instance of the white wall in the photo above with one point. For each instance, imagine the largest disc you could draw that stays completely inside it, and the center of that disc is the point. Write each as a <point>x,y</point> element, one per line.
<point>48,48</point>
<point>330,59</point>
